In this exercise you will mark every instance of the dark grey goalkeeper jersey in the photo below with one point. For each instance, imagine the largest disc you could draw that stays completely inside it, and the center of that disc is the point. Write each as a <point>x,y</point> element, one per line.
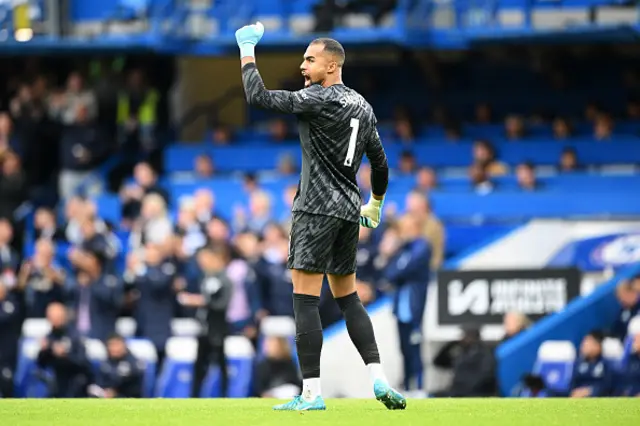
<point>337,127</point>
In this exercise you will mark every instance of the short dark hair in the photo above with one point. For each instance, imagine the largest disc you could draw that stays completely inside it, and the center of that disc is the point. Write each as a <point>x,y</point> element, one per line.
<point>527,164</point>
<point>332,46</point>
<point>217,249</point>
<point>115,336</point>
<point>597,335</point>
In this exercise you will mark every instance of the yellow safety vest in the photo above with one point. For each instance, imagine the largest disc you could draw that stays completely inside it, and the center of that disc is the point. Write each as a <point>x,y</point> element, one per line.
<point>146,112</point>
<point>21,16</point>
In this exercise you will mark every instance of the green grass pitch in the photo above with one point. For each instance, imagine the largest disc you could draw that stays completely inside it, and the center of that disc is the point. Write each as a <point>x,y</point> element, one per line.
<point>257,412</point>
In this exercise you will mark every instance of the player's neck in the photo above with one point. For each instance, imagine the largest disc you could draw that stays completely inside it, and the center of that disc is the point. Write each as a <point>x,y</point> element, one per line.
<point>330,81</point>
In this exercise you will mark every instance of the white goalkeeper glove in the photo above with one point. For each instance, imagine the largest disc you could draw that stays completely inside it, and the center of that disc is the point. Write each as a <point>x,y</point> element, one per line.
<point>371,213</point>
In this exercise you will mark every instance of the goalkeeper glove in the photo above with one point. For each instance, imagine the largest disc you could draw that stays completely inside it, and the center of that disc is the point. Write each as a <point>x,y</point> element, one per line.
<point>247,38</point>
<point>371,213</point>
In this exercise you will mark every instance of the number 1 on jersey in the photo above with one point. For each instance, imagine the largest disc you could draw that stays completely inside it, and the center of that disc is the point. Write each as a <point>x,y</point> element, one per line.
<point>351,151</point>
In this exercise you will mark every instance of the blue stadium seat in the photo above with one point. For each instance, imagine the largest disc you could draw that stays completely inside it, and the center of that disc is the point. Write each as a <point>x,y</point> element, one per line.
<point>144,351</point>
<point>613,352</point>
<point>526,205</point>
<point>185,327</point>
<point>542,152</point>
<point>35,328</point>
<point>555,365</point>
<point>27,383</point>
<point>126,327</point>
<point>175,378</point>
<point>133,9</point>
<point>96,352</point>
<point>240,357</point>
<point>278,326</point>
<point>109,208</point>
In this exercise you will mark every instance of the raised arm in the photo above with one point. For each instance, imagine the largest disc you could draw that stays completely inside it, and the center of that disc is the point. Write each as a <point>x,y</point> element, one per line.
<point>303,101</point>
<point>306,100</point>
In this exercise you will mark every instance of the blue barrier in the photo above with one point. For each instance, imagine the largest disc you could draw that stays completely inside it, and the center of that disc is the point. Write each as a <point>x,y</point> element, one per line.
<point>461,205</point>
<point>598,310</point>
<point>266,157</point>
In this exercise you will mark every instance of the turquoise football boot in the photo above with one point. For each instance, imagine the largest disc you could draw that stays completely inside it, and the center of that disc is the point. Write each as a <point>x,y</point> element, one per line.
<point>299,404</point>
<point>391,398</point>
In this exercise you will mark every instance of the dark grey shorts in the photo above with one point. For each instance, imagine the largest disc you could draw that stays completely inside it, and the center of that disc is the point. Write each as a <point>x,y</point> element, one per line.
<point>323,244</point>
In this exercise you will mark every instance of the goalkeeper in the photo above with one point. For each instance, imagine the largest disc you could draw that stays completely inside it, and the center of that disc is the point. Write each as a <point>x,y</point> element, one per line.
<point>337,128</point>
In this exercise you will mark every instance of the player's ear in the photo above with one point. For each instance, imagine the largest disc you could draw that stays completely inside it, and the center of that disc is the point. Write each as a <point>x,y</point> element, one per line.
<point>333,66</point>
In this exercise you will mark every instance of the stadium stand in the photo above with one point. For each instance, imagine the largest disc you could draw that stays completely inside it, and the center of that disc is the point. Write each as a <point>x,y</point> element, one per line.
<point>92,162</point>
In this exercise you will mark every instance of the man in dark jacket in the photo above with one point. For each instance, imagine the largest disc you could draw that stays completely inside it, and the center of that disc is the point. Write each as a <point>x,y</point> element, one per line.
<point>592,376</point>
<point>274,281</point>
<point>82,148</point>
<point>95,296</point>
<point>408,272</point>
<point>629,300</point>
<point>63,352</point>
<point>631,371</point>
<point>9,258</point>
<point>13,186</point>
<point>121,375</point>
<point>11,316</point>
<point>473,365</point>
<point>212,303</point>
<point>152,280</point>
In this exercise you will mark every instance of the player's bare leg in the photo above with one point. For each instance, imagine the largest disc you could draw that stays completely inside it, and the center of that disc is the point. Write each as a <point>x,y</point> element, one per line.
<point>360,329</point>
<point>306,300</point>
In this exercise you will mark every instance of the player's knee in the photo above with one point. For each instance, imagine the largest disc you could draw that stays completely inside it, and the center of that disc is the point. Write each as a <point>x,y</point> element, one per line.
<point>348,301</point>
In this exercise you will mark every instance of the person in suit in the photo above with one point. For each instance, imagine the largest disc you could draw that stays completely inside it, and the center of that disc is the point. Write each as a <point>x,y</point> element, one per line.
<point>592,376</point>
<point>153,278</point>
<point>277,374</point>
<point>42,279</point>
<point>212,303</point>
<point>631,371</point>
<point>368,275</point>
<point>121,375</point>
<point>64,353</point>
<point>12,312</point>
<point>274,280</point>
<point>473,365</point>
<point>95,296</point>
<point>9,258</point>
<point>408,272</point>
<point>629,300</point>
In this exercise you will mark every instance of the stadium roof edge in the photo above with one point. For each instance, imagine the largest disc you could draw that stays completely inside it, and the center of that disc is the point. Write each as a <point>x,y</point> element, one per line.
<point>225,44</point>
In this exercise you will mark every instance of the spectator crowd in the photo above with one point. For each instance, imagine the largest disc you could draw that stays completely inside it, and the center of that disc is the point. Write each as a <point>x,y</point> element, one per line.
<point>169,259</point>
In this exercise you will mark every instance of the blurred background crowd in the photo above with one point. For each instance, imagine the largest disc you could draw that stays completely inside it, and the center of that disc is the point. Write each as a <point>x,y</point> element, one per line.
<point>111,231</point>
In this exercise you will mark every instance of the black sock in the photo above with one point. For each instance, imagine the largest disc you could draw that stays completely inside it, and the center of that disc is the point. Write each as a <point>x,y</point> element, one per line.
<point>359,327</point>
<point>308,334</point>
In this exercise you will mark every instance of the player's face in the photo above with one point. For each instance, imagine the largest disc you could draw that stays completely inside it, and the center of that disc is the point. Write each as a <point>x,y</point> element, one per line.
<point>316,65</point>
